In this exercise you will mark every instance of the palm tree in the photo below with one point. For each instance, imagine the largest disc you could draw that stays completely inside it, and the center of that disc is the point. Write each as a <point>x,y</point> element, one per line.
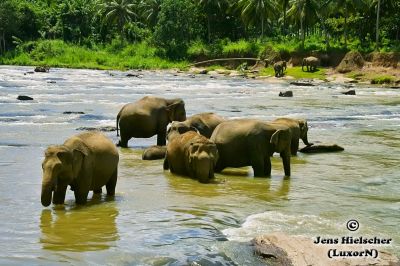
<point>149,11</point>
<point>210,7</point>
<point>120,12</point>
<point>305,11</point>
<point>253,10</point>
<point>284,4</point>
<point>347,6</point>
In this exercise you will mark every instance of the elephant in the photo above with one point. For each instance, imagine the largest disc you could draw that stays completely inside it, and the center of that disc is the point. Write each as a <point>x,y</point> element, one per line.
<point>279,67</point>
<point>86,161</point>
<point>251,142</point>
<point>204,123</point>
<point>299,129</point>
<point>311,63</point>
<point>154,153</point>
<point>191,154</point>
<point>147,117</point>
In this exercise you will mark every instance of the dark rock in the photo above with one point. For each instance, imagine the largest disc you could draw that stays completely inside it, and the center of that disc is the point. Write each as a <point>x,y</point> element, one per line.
<point>29,72</point>
<point>24,98</point>
<point>154,153</point>
<point>350,92</point>
<point>395,87</point>
<point>73,113</point>
<point>191,75</point>
<point>134,75</point>
<point>51,81</point>
<point>301,83</point>
<point>203,72</point>
<point>286,94</point>
<point>321,148</point>
<point>43,69</point>
<point>104,128</point>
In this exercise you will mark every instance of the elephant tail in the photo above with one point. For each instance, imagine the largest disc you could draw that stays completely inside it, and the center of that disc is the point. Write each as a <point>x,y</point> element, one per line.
<point>118,116</point>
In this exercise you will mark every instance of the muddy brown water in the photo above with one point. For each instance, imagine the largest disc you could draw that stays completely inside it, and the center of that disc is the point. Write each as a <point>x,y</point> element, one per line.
<point>157,218</point>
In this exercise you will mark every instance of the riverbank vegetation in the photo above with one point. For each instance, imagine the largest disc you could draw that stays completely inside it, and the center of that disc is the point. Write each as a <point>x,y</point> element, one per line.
<point>125,34</point>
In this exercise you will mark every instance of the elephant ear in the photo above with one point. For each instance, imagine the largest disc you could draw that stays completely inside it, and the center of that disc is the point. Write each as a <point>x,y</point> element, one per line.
<point>64,155</point>
<point>172,108</point>
<point>280,139</point>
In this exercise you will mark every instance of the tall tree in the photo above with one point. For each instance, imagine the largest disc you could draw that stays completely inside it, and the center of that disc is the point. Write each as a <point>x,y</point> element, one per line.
<point>9,20</point>
<point>119,12</point>
<point>284,4</point>
<point>306,11</point>
<point>150,10</point>
<point>253,10</point>
<point>211,8</point>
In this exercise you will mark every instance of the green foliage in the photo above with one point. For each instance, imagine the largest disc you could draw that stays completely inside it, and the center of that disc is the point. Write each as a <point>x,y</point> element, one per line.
<point>177,25</point>
<point>297,73</point>
<point>384,79</point>
<point>241,48</point>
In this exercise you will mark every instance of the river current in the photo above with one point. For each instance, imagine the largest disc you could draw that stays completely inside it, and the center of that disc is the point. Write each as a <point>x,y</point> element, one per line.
<point>157,218</point>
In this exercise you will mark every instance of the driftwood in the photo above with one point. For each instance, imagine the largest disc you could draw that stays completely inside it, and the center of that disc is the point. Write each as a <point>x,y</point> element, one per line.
<point>320,148</point>
<point>224,59</point>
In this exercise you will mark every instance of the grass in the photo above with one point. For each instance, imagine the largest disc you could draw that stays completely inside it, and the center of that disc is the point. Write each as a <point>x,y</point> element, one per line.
<point>297,73</point>
<point>384,79</point>
<point>56,53</point>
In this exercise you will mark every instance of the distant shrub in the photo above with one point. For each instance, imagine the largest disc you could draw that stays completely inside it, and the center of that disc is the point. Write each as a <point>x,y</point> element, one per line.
<point>382,80</point>
<point>241,48</point>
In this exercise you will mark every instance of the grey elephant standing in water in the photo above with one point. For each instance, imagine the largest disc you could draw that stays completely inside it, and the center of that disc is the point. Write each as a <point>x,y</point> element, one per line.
<point>147,117</point>
<point>86,162</point>
<point>251,142</point>
<point>279,68</point>
<point>191,154</point>
<point>299,129</point>
<point>311,63</point>
<point>204,123</point>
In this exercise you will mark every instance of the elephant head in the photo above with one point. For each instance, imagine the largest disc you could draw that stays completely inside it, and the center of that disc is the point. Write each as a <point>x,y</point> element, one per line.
<point>303,131</point>
<point>176,110</point>
<point>177,127</point>
<point>60,166</point>
<point>202,158</point>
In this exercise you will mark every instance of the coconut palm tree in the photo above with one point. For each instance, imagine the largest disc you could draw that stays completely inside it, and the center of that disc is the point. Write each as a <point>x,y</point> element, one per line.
<point>149,11</point>
<point>119,12</point>
<point>210,7</point>
<point>284,4</point>
<point>305,11</point>
<point>253,10</point>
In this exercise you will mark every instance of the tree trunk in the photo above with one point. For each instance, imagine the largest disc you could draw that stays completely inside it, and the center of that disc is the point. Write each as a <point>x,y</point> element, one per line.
<point>345,25</point>
<point>378,9</point>
<point>302,32</point>
<point>262,27</point>
<point>209,28</point>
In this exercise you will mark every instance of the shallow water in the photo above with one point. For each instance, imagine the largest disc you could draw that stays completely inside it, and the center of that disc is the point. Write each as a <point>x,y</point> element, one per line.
<point>157,218</point>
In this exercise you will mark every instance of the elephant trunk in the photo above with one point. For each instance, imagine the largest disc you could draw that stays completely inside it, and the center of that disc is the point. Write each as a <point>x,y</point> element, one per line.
<point>48,184</point>
<point>47,193</point>
<point>305,140</point>
<point>203,168</point>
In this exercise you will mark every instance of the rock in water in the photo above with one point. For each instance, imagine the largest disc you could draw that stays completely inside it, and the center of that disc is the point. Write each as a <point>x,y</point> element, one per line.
<point>350,92</point>
<point>103,129</point>
<point>73,113</point>
<point>321,148</point>
<point>24,98</point>
<point>44,69</point>
<point>154,153</point>
<point>286,94</point>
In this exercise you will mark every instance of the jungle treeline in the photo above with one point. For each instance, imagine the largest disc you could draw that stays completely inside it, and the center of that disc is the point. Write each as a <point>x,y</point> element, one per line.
<point>188,29</point>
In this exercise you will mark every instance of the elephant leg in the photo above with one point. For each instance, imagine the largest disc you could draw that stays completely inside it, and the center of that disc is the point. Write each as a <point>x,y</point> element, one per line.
<point>110,186</point>
<point>59,194</point>
<point>161,138</point>
<point>267,167</point>
<point>123,143</point>
<point>294,147</point>
<point>97,191</point>
<point>81,196</point>
<point>286,162</point>
<point>258,165</point>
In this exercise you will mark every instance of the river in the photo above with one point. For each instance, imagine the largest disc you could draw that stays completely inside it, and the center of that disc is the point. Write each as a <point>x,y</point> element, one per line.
<point>157,218</point>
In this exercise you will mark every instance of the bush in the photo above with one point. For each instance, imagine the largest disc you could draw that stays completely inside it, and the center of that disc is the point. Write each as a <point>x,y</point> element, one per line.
<point>382,80</point>
<point>241,48</point>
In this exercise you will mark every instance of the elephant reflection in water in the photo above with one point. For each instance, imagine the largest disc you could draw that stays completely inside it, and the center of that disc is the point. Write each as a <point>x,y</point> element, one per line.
<point>85,229</point>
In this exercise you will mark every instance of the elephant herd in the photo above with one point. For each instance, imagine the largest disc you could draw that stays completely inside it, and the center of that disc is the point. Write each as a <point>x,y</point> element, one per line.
<point>309,63</point>
<point>198,147</point>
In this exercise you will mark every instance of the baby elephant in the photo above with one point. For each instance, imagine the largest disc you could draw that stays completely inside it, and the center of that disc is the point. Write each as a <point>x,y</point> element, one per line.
<point>154,153</point>
<point>191,154</point>
<point>279,67</point>
<point>86,161</point>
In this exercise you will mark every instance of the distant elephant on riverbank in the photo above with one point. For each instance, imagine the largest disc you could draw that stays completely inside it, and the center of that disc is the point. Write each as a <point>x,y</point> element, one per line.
<point>204,123</point>
<point>251,142</point>
<point>311,63</point>
<point>191,154</point>
<point>86,161</point>
<point>299,129</point>
<point>279,68</point>
<point>147,117</point>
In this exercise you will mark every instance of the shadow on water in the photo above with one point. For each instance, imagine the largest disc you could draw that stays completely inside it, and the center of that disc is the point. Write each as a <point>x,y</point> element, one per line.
<point>86,228</point>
